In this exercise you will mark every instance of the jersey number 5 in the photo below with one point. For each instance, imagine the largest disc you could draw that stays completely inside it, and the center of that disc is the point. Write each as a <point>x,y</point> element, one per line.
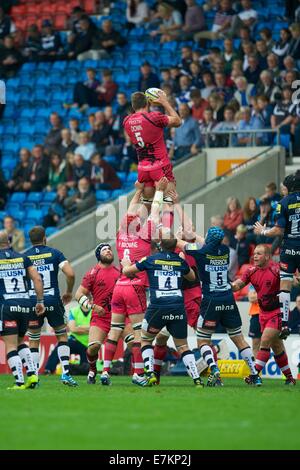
<point>139,139</point>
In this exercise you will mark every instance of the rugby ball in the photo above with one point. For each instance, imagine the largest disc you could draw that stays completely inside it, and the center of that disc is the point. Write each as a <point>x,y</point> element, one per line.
<point>152,94</point>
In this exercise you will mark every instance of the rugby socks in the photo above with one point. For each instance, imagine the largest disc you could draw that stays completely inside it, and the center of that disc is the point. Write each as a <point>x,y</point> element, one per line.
<point>109,352</point>
<point>92,360</point>
<point>27,359</point>
<point>284,301</point>
<point>15,365</point>
<point>283,364</point>
<point>215,353</point>
<point>247,356</point>
<point>263,355</point>
<point>189,361</point>
<point>138,364</point>
<point>36,358</point>
<point>63,352</point>
<point>148,357</point>
<point>207,354</point>
<point>159,355</point>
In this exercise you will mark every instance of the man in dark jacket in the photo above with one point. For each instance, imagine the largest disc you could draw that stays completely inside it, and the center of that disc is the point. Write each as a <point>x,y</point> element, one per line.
<point>39,168</point>
<point>10,58</point>
<point>148,79</point>
<point>83,200</point>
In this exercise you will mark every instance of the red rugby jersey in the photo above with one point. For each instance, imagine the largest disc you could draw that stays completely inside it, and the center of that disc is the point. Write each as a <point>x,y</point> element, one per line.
<point>146,133</point>
<point>101,282</point>
<point>266,282</point>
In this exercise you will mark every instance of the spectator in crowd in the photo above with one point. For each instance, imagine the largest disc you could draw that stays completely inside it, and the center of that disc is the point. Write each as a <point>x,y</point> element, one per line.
<point>294,46</point>
<point>15,236</point>
<point>229,55</point>
<point>137,12</point>
<point>3,190</point>
<point>56,211</point>
<point>85,148</point>
<point>273,66</point>
<point>281,117</point>
<point>271,194</point>
<point>262,53</point>
<point>78,327</point>
<point>253,71</point>
<point>266,217</point>
<point>266,86</point>
<point>171,23</point>
<point>38,173</point>
<point>105,41</point>
<point>122,109</point>
<point>244,91</point>
<point>240,244</point>
<point>32,44</point>
<point>187,137</point>
<point>10,58</point>
<point>221,89</point>
<point>282,45</point>
<point>228,124</point>
<point>85,93</point>
<point>196,75</point>
<point>100,132</point>
<point>206,126</point>
<point>74,129</point>
<point>233,216</point>
<point>294,318</point>
<point>233,260</point>
<point>249,123</point>
<point>222,22</point>
<point>6,24</point>
<point>265,110</point>
<point>250,215</point>
<point>148,79</point>
<point>51,45</point>
<point>82,39</point>
<point>103,176</point>
<point>74,24</point>
<point>199,105</point>
<point>107,90</point>
<point>82,200</point>
<point>216,103</point>
<point>289,66</point>
<point>209,85</point>
<point>217,221</point>
<point>21,173</point>
<point>128,155</point>
<point>67,144</point>
<point>246,17</point>
<point>81,168</point>
<point>57,172</point>
<point>184,93</point>
<point>266,36</point>
<point>194,21</point>
<point>52,140</point>
<point>186,59</point>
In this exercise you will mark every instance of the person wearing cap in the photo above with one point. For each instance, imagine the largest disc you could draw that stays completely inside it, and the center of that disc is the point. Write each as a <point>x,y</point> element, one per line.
<point>218,305</point>
<point>95,293</point>
<point>51,45</point>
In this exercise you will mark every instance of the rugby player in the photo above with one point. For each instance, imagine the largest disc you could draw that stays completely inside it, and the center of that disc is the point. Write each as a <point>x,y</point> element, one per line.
<point>48,261</point>
<point>15,304</point>
<point>129,296</point>
<point>98,283</point>
<point>218,304</point>
<point>288,226</point>
<point>264,276</point>
<point>166,271</point>
<point>146,132</point>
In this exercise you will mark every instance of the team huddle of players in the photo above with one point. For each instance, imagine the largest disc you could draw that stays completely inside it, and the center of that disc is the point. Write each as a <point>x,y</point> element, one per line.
<point>186,274</point>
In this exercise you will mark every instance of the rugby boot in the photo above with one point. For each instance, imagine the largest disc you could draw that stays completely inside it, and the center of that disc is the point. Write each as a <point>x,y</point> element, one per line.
<point>67,379</point>
<point>157,375</point>
<point>105,378</point>
<point>91,378</point>
<point>151,378</point>
<point>253,380</point>
<point>17,387</point>
<point>213,376</point>
<point>140,380</point>
<point>32,381</point>
<point>290,381</point>
<point>218,383</point>
<point>198,383</point>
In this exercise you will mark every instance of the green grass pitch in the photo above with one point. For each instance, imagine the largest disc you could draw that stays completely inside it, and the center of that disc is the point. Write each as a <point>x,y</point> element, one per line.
<point>174,415</point>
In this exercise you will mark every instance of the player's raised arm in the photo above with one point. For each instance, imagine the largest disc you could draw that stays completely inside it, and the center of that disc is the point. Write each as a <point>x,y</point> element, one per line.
<point>134,203</point>
<point>190,276</point>
<point>174,118</point>
<point>70,278</point>
<point>128,269</point>
<point>268,232</point>
<point>39,289</point>
<point>161,186</point>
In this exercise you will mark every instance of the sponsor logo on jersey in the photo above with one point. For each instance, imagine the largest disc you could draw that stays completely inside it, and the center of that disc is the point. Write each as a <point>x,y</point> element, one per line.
<point>43,255</point>
<point>170,316</point>
<point>13,273</point>
<point>221,308</point>
<point>33,323</point>
<point>19,309</point>
<point>296,205</point>
<point>167,263</point>
<point>10,324</point>
<point>210,323</point>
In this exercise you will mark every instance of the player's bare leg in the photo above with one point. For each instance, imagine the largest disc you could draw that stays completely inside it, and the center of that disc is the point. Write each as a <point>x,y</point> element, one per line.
<point>255,346</point>
<point>96,338</point>
<point>247,355</point>
<point>14,361</point>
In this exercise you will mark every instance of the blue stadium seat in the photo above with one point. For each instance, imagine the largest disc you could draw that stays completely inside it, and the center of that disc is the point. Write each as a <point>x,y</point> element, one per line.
<point>122,176</point>
<point>48,196</point>
<point>103,194</point>
<point>132,176</point>
<point>18,197</point>
<point>18,215</point>
<point>117,193</point>
<point>51,230</point>
<point>12,207</point>
<point>34,214</point>
<point>34,197</point>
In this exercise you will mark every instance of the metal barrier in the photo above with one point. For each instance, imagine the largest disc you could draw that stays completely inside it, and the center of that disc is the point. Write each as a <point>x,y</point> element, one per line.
<point>231,133</point>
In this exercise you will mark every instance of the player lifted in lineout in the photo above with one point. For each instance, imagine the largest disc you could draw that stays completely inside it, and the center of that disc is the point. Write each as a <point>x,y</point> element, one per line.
<point>48,261</point>
<point>129,297</point>
<point>264,276</point>
<point>15,308</point>
<point>146,132</point>
<point>288,225</point>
